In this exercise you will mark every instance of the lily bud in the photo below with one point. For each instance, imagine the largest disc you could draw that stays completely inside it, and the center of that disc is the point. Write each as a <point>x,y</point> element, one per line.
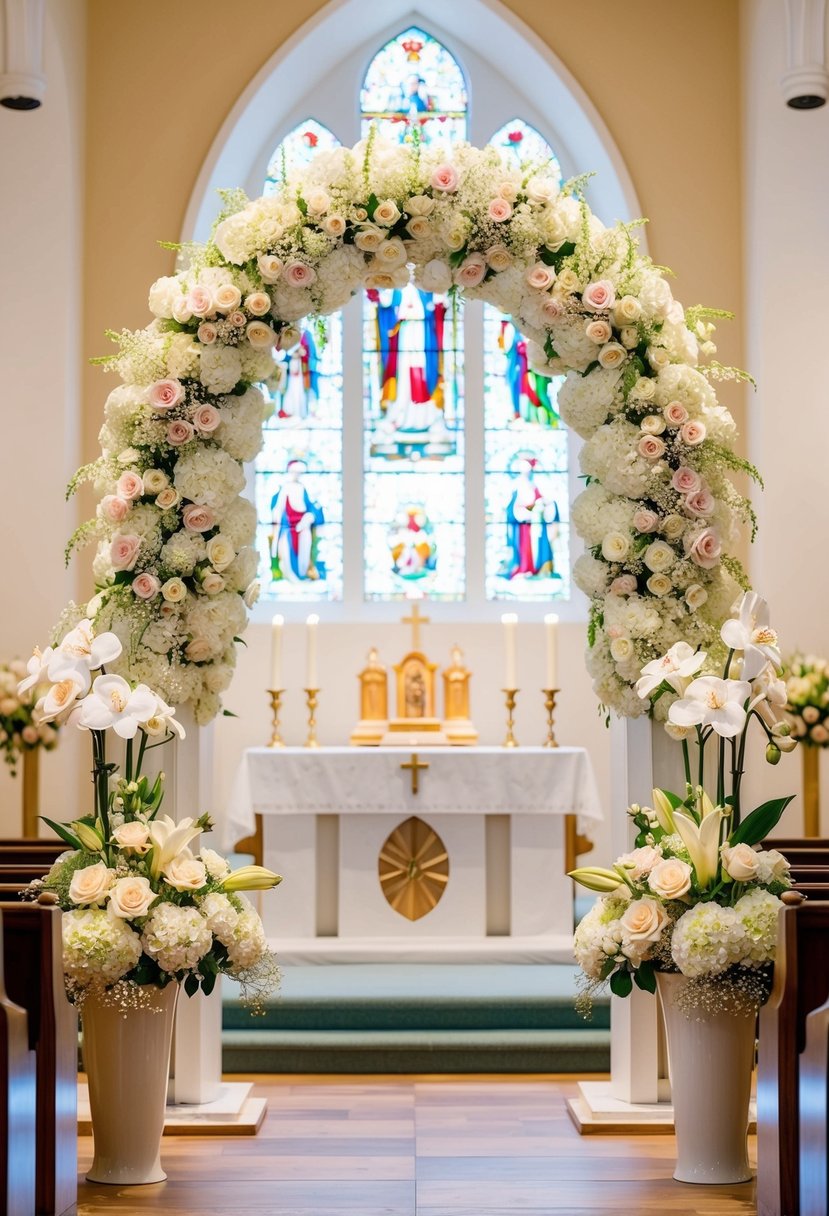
<point>596,879</point>
<point>664,811</point>
<point>772,754</point>
<point>251,878</point>
<point>89,838</point>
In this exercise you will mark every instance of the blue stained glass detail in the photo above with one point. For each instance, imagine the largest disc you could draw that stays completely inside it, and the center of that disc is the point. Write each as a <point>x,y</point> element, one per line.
<point>526,147</point>
<point>415,83</point>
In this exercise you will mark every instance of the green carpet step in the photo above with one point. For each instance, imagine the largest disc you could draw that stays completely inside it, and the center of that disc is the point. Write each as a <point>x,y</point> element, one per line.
<point>432,1013</point>
<point>416,1051</point>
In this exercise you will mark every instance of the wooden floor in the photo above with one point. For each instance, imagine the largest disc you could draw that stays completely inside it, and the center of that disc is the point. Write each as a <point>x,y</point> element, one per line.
<point>397,1146</point>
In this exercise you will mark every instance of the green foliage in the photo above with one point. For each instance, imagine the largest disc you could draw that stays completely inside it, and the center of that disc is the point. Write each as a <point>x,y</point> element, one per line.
<point>645,977</point>
<point>80,537</point>
<point>621,983</point>
<point>756,826</point>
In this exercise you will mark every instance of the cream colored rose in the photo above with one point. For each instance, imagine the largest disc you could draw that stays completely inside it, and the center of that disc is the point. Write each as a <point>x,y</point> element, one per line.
<point>318,201</point>
<point>216,865</point>
<point>542,190</point>
<point>174,590</point>
<point>508,190</point>
<point>391,254</point>
<point>258,303</point>
<point>212,583</point>
<point>621,649</point>
<point>454,236</point>
<point>220,552</point>
<point>670,879</point>
<point>673,526</point>
<point>653,424</point>
<point>369,238</point>
<point>644,389</point>
<point>615,546</point>
<point>91,884</point>
<point>629,337</point>
<point>598,332</point>
<point>659,584</point>
<point>658,357</point>
<point>659,557</point>
<point>227,297</point>
<point>155,481</point>
<point>185,872</point>
<point>740,862</point>
<point>134,836</point>
<point>270,267</point>
<point>418,227</point>
<point>386,213</point>
<point>626,311</point>
<point>334,225</point>
<point>567,281</point>
<point>612,354</point>
<point>643,920</point>
<point>131,897</point>
<point>498,257</point>
<point>260,335</point>
<point>167,498</point>
<point>695,596</point>
<point>420,204</point>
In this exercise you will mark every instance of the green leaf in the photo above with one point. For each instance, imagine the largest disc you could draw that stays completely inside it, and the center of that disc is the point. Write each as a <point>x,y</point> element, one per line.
<point>208,983</point>
<point>607,967</point>
<point>645,977</point>
<point>191,984</point>
<point>621,983</point>
<point>64,833</point>
<point>756,826</point>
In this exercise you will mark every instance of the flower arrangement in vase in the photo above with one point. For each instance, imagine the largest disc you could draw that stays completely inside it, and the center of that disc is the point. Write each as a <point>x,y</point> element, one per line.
<point>807,688</point>
<point>693,907</point>
<point>19,733</point>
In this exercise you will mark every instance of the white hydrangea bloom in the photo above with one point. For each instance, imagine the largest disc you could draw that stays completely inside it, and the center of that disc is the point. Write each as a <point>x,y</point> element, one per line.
<point>176,937</point>
<point>758,911</point>
<point>97,946</point>
<point>707,940</point>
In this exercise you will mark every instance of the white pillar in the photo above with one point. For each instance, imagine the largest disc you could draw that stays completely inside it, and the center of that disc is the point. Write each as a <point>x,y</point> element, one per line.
<point>805,83</point>
<point>22,83</point>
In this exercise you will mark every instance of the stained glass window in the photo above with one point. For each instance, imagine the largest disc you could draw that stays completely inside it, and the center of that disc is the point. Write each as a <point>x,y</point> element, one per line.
<point>525,458</point>
<point>412,347</point>
<point>299,470</point>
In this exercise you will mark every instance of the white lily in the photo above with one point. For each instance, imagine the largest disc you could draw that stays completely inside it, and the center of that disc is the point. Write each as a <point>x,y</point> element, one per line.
<point>675,668</point>
<point>702,842</point>
<point>751,633</point>
<point>710,701</point>
<point>168,839</point>
<point>37,667</point>
<point>112,703</point>
<point>663,811</point>
<point>163,721</point>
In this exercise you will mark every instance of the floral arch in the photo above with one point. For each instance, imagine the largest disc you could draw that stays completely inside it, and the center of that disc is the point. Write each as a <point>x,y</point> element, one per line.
<point>175,566</point>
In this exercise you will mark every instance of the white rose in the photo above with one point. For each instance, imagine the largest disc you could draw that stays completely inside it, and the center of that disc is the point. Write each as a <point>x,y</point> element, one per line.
<point>740,862</point>
<point>91,884</point>
<point>615,547</point>
<point>391,254</point>
<point>626,311</point>
<point>612,354</point>
<point>270,267</point>
<point>653,424</point>
<point>658,357</point>
<point>629,337</point>
<point>659,584</point>
<point>420,204</point>
<point>155,480</point>
<point>186,873</point>
<point>369,238</point>
<point>435,276</point>
<point>216,865</point>
<point>670,879</point>
<point>695,596</point>
<point>212,583</point>
<point>643,920</point>
<point>418,227</point>
<point>542,190</point>
<point>174,590</point>
<point>318,201</point>
<point>621,649</point>
<point>131,897</point>
<point>386,213</point>
<point>260,335</point>
<point>673,526</point>
<point>220,552</point>
<point>133,836</point>
<point>659,557</point>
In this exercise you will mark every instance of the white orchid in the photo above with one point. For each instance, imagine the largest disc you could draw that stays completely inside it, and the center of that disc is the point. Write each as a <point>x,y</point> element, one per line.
<point>112,703</point>
<point>163,721</point>
<point>84,651</point>
<point>675,668</point>
<point>169,839</point>
<point>711,701</point>
<point>750,633</point>
<point>702,842</point>
<point>61,699</point>
<point>37,667</point>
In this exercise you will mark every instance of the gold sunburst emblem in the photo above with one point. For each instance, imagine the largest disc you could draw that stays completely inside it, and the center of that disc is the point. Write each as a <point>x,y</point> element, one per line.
<point>414,868</point>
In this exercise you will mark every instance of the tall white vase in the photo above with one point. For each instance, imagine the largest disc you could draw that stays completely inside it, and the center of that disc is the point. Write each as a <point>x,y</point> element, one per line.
<point>710,1063</point>
<point>127,1059</point>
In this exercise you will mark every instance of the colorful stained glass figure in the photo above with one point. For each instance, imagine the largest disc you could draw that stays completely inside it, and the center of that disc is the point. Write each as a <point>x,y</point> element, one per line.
<point>524,146</point>
<point>414,83</point>
<point>297,149</point>
<point>412,544</point>
<point>295,519</point>
<point>530,395</point>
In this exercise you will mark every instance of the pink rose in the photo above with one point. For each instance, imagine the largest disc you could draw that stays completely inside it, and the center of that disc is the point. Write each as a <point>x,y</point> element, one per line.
<point>207,333</point>
<point>471,270</point>
<point>675,413</point>
<point>445,178</point>
<point>197,519</point>
<point>123,552</point>
<point>598,332</point>
<point>625,584</point>
<point>206,419</point>
<point>130,485</point>
<point>499,210</point>
<point>29,735</point>
<point>645,521</point>
<point>115,509</point>
<point>651,447</point>
<point>167,498</point>
<point>693,433</point>
<point>146,585</point>
<point>599,296</point>
<point>686,481</point>
<point>200,301</point>
<point>300,274</point>
<point>552,309</point>
<point>258,303</point>
<point>164,394</point>
<point>237,319</point>
<point>700,503</point>
<point>540,277</point>
<point>179,432</point>
<point>704,548</point>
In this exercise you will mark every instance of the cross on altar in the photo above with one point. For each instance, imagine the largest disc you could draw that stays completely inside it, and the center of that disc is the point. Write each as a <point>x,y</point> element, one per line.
<point>415,765</point>
<point>416,620</point>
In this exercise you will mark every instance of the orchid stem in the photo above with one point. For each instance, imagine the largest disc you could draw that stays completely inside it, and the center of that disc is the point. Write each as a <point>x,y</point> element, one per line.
<point>686,756</point>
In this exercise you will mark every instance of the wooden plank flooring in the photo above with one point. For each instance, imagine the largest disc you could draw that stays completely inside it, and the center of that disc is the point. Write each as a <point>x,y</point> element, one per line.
<point>416,1146</point>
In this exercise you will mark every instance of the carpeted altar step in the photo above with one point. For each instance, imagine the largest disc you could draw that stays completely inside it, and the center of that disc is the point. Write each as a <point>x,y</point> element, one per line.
<point>416,1018</point>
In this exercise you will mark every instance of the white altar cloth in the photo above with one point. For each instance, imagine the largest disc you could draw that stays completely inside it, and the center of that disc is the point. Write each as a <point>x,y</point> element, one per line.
<point>369,781</point>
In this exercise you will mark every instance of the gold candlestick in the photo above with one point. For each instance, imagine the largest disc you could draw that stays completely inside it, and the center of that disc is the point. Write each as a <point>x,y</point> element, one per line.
<point>311,699</point>
<point>550,706</point>
<point>510,694</point>
<point>275,695</point>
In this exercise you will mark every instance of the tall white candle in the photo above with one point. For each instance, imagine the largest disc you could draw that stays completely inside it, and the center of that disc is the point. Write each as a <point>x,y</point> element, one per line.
<point>510,622</point>
<point>551,634</point>
<point>311,651</point>
<point>276,651</point>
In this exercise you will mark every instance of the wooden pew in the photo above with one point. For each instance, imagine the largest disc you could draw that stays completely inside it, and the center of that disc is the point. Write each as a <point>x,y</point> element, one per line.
<point>25,853</point>
<point>33,952</point>
<point>814,1114</point>
<point>17,1108</point>
<point>801,986</point>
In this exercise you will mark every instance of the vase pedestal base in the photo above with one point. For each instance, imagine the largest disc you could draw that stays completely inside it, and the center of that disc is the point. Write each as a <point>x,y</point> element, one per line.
<point>595,1112</point>
<point>233,1113</point>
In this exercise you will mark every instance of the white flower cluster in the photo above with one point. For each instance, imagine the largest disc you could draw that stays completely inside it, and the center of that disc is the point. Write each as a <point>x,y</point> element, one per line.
<point>98,947</point>
<point>710,938</point>
<point>807,689</point>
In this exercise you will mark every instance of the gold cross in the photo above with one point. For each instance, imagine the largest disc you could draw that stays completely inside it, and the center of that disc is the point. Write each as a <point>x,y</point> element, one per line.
<point>415,765</point>
<point>416,620</point>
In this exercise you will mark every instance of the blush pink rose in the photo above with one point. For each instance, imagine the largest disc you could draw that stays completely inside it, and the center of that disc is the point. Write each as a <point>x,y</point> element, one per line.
<point>200,301</point>
<point>115,509</point>
<point>260,335</point>
<point>686,481</point>
<point>445,178</point>
<point>645,521</point>
<point>207,333</point>
<point>299,274</point>
<point>471,270</point>
<point>146,586</point>
<point>179,432</point>
<point>165,394</point>
<point>625,584</point>
<point>598,332</point>
<point>552,309</point>
<point>206,419</point>
<point>258,303</point>
<point>693,433</point>
<point>130,485</point>
<point>540,277</point>
<point>700,503</point>
<point>237,319</point>
<point>651,447</point>
<point>675,413</point>
<point>167,498</point>
<point>599,296</point>
<point>499,210</point>
<point>704,548</point>
<point>197,519</point>
<point>123,552</point>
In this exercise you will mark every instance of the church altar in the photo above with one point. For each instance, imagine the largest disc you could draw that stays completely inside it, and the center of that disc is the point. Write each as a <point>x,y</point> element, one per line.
<point>485,881</point>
